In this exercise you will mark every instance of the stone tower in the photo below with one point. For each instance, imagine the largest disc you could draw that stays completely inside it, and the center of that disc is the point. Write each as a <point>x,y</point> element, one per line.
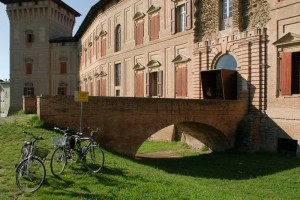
<point>42,51</point>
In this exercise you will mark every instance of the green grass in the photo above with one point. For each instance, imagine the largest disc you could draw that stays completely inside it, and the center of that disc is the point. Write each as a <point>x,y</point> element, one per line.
<point>207,176</point>
<point>149,146</point>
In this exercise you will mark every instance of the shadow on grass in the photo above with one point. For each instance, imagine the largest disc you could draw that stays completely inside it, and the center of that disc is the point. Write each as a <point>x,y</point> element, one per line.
<point>231,166</point>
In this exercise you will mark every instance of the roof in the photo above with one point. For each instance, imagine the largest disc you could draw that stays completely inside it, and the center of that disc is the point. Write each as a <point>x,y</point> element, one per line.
<point>62,39</point>
<point>90,17</point>
<point>59,2</point>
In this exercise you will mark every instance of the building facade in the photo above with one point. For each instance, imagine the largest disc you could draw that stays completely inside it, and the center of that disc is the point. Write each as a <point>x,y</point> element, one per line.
<point>162,49</point>
<point>4,97</point>
<point>42,50</point>
<point>138,49</point>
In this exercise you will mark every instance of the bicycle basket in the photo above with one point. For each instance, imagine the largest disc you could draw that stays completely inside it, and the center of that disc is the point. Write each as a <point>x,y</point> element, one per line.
<point>58,141</point>
<point>40,152</point>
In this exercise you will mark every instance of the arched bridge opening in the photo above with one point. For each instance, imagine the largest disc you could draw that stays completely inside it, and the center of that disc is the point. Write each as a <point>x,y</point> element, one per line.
<point>197,135</point>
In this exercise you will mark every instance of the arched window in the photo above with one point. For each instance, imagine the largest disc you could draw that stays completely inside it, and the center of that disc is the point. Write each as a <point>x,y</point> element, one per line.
<point>118,38</point>
<point>227,62</point>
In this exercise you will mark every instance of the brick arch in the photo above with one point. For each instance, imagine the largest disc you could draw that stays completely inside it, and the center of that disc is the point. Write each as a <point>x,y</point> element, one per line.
<point>127,122</point>
<point>207,134</point>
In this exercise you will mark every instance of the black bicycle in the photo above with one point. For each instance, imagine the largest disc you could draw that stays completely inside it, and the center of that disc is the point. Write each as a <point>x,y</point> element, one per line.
<point>64,150</point>
<point>71,147</point>
<point>89,151</point>
<point>30,172</point>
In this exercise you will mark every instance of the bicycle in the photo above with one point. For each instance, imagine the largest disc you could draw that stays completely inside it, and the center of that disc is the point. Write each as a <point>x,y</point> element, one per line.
<point>30,172</point>
<point>63,150</point>
<point>91,154</point>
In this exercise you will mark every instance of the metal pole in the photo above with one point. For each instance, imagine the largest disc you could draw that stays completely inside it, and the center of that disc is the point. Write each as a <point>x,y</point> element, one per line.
<point>81,109</point>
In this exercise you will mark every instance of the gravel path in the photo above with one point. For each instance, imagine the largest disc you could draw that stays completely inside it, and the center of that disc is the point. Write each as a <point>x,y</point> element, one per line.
<point>14,118</point>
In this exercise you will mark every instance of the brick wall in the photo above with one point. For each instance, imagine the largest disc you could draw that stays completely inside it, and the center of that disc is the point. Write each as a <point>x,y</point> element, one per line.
<point>29,104</point>
<point>128,122</point>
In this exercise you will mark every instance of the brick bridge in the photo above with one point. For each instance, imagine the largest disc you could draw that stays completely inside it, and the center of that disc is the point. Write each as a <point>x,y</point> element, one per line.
<point>128,122</point>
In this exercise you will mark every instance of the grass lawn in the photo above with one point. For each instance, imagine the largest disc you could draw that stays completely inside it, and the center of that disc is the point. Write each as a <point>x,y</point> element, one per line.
<point>198,176</point>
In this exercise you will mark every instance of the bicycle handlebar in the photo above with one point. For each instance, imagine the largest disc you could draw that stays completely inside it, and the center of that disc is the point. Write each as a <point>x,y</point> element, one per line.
<point>34,137</point>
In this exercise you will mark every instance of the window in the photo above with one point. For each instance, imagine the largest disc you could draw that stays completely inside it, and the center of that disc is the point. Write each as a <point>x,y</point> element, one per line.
<point>181,81</point>
<point>117,74</point>
<point>63,67</point>
<point>28,68</point>
<point>139,32</point>
<point>154,27</point>
<point>139,84</point>
<point>181,17</point>
<point>118,38</point>
<point>28,89</point>
<point>62,90</point>
<point>29,38</point>
<point>227,62</point>
<point>290,73</point>
<point>154,84</point>
<point>226,16</point>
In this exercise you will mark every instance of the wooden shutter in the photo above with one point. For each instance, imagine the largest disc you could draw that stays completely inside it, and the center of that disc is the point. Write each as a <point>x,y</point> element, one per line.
<point>103,46</point>
<point>178,82</point>
<point>173,21</point>
<point>103,87</point>
<point>140,84</point>
<point>28,68</point>
<point>63,67</point>
<point>152,27</point>
<point>159,83</point>
<point>156,27</point>
<point>184,81</point>
<point>148,84</point>
<point>188,16</point>
<point>139,33</point>
<point>286,74</point>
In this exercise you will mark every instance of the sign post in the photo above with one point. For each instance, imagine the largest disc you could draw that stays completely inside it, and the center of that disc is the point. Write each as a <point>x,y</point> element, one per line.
<point>81,97</point>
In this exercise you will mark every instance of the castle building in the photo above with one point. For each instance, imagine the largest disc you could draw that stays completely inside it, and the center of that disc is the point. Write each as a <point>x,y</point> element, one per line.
<point>199,49</point>
<point>43,54</point>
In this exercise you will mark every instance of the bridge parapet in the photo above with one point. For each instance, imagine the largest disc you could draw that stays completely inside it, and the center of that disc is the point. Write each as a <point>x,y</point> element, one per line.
<point>127,122</point>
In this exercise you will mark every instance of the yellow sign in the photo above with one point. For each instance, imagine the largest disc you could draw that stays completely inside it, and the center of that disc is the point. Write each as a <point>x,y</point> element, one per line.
<point>81,96</point>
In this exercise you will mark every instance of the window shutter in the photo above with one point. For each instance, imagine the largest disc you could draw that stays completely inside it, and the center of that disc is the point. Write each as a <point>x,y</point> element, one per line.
<point>188,16</point>
<point>184,81</point>
<point>147,84</point>
<point>178,82</point>
<point>152,27</point>
<point>156,25</point>
<point>103,87</point>
<point>63,67</point>
<point>103,47</point>
<point>139,85</point>
<point>286,74</point>
<point>160,83</point>
<point>173,21</point>
<point>28,68</point>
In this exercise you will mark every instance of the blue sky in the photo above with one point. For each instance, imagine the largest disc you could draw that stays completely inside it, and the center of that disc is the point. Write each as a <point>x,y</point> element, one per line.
<point>81,6</point>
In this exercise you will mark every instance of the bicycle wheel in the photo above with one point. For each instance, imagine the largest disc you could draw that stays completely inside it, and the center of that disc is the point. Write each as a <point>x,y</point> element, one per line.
<point>30,174</point>
<point>58,161</point>
<point>94,158</point>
